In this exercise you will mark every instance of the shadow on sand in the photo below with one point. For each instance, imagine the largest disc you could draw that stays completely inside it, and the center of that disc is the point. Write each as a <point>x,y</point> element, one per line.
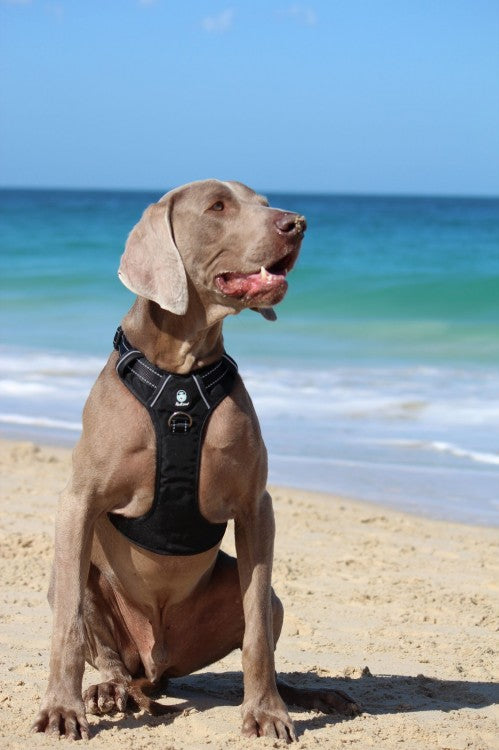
<point>376,694</point>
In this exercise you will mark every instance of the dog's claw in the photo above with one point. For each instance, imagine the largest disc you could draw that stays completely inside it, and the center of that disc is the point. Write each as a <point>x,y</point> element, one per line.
<point>105,697</point>
<point>60,722</point>
<point>268,722</point>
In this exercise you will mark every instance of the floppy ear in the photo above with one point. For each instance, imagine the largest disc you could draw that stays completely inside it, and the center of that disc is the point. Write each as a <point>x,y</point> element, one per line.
<point>151,265</point>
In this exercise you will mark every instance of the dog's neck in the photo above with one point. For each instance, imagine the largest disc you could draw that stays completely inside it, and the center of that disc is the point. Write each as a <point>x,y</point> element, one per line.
<point>176,343</point>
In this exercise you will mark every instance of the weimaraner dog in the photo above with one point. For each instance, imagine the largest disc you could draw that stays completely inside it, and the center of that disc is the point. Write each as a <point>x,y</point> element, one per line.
<point>139,586</point>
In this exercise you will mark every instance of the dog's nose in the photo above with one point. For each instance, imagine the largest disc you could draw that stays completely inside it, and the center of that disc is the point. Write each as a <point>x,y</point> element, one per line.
<point>290,223</point>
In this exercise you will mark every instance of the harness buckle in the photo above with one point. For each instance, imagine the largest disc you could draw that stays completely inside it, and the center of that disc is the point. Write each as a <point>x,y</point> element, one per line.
<point>180,421</point>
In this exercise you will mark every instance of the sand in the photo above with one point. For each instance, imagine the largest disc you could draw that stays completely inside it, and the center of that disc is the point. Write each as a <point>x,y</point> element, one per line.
<point>400,611</point>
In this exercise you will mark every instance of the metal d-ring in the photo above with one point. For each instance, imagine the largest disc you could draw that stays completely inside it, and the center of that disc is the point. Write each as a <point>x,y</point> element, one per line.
<point>186,420</point>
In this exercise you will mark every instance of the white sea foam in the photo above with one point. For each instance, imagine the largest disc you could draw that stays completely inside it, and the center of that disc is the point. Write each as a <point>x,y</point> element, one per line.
<point>23,388</point>
<point>455,450</point>
<point>365,430</point>
<point>55,364</point>
<point>34,379</point>
<point>22,419</point>
<point>417,395</point>
<point>439,446</point>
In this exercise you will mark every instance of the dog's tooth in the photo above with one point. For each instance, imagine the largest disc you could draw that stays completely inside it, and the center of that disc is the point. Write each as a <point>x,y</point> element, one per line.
<point>265,276</point>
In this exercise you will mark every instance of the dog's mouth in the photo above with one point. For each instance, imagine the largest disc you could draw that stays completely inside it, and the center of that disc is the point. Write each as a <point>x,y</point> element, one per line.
<point>268,283</point>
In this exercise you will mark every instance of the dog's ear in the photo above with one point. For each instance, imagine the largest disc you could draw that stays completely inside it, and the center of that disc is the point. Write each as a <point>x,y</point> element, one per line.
<point>151,265</point>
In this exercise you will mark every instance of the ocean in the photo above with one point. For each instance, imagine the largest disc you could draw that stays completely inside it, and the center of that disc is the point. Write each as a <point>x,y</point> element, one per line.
<point>378,381</point>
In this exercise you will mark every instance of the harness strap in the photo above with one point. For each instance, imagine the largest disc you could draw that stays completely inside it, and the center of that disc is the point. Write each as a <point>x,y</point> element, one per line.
<point>179,407</point>
<point>156,378</point>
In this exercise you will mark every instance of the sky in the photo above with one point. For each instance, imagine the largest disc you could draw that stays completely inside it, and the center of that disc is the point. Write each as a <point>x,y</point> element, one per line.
<point>350,96</point>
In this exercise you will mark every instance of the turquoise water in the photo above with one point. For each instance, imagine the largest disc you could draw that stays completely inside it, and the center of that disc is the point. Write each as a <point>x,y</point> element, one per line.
<point>380,378</point>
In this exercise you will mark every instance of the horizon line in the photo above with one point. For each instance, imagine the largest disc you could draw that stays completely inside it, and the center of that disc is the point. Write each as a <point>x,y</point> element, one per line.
<point>280,191</point>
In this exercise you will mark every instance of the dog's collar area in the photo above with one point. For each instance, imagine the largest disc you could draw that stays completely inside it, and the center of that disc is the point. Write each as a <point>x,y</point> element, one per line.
<point>155,386</point>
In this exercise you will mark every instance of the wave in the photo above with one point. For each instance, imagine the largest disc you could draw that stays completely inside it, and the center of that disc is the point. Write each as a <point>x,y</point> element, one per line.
<point>455,450</point>
<point>374,432</point>
<point>388,465</point>
<point>22,419</point>
<point>402,407</point>
<point>411,395</point>
<point>451,449</point>
<point>41,363</point>
<point>15,388</point>
<point>418,395</point>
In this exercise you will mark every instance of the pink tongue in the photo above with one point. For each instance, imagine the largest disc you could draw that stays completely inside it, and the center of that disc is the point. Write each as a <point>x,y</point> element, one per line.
<point>244,284</point>
<point>250,285</point>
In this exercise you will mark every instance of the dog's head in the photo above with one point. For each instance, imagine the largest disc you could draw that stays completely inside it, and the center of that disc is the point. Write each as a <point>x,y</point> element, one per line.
<point>221,237</point>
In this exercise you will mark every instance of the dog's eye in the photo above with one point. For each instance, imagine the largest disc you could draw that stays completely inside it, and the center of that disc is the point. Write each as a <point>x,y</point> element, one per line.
<point>218,206</point>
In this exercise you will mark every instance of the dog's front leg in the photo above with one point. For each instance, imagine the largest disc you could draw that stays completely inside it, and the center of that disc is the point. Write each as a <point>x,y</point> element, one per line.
<point>263,711</point>
<point>62,711</point>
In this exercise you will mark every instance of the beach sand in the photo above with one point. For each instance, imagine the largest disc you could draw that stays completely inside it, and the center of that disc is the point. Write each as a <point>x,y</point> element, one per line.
<point>398,610</point>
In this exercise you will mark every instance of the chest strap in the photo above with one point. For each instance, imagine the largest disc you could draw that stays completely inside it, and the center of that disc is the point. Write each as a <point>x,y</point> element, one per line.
<point>179,407</point>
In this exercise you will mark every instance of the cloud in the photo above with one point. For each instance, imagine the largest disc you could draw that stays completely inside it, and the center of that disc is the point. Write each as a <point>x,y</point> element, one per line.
<point>301,14</point>
<point>220,23</point>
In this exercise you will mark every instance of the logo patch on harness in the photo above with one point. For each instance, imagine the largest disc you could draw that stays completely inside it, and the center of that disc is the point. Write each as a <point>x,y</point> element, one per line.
<point>181,398</point>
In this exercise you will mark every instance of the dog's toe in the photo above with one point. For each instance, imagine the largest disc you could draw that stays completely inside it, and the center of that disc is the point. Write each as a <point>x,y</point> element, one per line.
<point>105,697</point>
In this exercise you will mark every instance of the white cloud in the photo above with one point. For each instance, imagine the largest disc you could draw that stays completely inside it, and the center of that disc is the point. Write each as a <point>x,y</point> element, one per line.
<point>302,14</point>
<point>220,23</point>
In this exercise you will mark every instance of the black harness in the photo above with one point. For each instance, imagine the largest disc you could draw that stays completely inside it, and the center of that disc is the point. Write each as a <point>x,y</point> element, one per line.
<point>179,407</point>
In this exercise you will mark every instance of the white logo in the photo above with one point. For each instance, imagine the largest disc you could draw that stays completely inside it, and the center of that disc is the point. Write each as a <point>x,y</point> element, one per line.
<point>182,398</point>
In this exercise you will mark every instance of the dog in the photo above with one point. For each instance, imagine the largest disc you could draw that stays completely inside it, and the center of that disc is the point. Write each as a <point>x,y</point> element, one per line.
<point>139,587</point>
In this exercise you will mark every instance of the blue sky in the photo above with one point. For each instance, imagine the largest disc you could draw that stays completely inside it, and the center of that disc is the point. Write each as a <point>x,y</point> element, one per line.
<point>370,96</point>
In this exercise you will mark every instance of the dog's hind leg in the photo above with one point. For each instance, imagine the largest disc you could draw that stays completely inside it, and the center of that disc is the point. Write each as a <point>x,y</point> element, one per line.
<point>108,648</point>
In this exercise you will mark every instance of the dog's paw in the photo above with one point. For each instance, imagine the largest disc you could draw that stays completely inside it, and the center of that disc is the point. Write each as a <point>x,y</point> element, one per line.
<point>268,720</point>
<point>326,701</point>
<point>334,701</point>
<point>106,697</point>
<point>62,721</point>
